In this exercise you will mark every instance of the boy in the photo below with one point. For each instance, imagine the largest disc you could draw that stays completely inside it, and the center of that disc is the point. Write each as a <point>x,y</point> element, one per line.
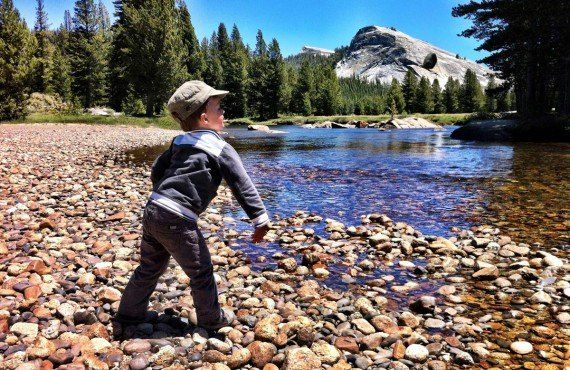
<point>185,178</point>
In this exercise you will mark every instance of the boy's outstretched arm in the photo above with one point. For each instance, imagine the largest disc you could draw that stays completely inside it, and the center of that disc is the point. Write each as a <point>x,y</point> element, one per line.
<point>242,187</point>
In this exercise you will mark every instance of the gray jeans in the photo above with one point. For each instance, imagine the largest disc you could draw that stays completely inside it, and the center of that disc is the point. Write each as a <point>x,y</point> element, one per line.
<point>166,234</point>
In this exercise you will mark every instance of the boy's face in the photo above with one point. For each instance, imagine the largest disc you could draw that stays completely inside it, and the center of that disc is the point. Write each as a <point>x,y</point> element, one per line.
<point>213,118</point>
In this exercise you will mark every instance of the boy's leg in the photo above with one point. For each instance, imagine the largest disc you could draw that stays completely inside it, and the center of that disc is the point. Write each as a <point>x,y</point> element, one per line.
<point>153,262</point>
<point>191,253</point>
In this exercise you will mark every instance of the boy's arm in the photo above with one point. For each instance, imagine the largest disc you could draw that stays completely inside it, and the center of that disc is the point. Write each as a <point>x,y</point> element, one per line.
<point>160,165</point>
<point>242,187</point>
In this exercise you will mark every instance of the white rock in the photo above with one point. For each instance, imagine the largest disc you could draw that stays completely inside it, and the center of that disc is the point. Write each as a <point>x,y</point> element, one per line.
<point>417,353</point>
<point>521,347</point>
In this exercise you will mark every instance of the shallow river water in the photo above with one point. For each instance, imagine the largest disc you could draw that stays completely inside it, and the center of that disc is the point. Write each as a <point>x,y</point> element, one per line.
<point>421,177</point>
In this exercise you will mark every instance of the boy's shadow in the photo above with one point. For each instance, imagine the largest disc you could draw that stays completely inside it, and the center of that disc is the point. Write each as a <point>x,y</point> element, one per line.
<point>163,326</point>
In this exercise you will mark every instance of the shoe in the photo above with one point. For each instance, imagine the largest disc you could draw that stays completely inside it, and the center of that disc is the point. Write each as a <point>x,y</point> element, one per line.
<point>150,317</point>
<point>124,327</point>
<point>226,319</point>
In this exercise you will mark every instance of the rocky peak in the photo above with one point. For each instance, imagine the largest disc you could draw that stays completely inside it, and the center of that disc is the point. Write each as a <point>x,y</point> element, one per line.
<point>381,53</point>
<point>315,50</point>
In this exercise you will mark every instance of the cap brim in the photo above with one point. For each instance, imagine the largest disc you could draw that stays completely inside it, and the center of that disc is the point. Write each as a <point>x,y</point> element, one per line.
<point>219,93</point>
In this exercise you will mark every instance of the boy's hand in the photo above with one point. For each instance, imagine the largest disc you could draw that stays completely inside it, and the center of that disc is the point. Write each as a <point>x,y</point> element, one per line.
<point>259,233</point>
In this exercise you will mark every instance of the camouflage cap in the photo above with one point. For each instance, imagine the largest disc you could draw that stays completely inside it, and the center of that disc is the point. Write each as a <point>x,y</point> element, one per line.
<point>190,96</point>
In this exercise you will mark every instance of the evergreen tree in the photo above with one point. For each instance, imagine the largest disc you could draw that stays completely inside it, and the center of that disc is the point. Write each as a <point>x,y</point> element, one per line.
<point>212,73</point>
<point>276,80</point>
<point>155,53</point>
<point>303,90</point>
<point>194,58</point>
<point>438,101</point>
<point>424,98</point>
<point>67,21</point>
<point>17,46</point>
<point>328,95</point>
<point>471,93</point>
<point>396,101</point>
<point>290,81</point>
<point>237,40</point>
<point>88,55</point>
<point>118,82</point>
<point>235,78</point>
<point>44,52</point>
<point>451,96</point>
<point>410,89</point>
<point>525,40</point>
<point>491,95</point>
<point>103,17</point>
<point>259,75</point>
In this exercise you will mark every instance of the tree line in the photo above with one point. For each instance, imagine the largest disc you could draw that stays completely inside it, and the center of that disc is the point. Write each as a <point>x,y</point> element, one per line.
<point>526,40</point>
<point>135,63</point>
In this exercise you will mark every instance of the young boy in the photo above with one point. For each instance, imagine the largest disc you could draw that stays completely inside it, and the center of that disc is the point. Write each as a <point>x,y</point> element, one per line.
<point>185,178</point>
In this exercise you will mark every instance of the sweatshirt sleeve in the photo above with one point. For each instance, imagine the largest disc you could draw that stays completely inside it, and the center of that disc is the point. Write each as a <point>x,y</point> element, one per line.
<point>160,165</point>
<point>242,187</point>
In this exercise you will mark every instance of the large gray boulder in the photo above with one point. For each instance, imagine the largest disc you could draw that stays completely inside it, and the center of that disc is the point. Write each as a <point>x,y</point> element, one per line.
<point>380,53</point>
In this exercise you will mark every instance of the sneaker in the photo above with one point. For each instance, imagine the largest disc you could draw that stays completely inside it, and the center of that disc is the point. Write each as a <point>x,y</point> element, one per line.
<point>226,319</point>
<point>150,317</point>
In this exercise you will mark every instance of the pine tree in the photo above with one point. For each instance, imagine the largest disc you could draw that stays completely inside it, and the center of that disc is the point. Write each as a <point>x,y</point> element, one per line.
<point>491,95</point>
<point>88,55</point>
<point>259,74</point>
<point>235,78</point>
<point>194,59</point>
<point>44,52</point>
<point>276,79</point>
<point>471,93</point>
<point>410,89</point>
<point>17,46</point>
<point>212,74</point>
<point>155,53</point>
<point>118,82</point>
<point>451,96</point>
<point>67,21</point>
<point>290,78</point>
<point>327,89</point>
<point>303,90</point>
<point>396,100</point>
<point>103,17</point>
<point>525,41</point>
<point>438,101</point>
<point>424,98</point>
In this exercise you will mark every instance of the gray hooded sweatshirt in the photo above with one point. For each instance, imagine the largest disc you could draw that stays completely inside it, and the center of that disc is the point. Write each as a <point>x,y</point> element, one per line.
<point>186,177</point>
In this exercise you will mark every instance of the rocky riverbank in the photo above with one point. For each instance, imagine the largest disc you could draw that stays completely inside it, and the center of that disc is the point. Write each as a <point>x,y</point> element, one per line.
<point>70,213</point>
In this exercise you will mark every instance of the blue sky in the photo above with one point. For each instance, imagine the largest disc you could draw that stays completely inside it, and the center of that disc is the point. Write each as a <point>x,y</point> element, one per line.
<point>326,24</point>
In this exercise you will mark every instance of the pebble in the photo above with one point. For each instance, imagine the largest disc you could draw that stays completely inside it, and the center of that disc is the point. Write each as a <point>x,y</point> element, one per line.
<point>521,347</point>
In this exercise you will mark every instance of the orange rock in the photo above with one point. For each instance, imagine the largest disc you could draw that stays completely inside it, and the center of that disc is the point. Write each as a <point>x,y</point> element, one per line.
<point>32,292</point>
<point>116,216</point>
<point>346,344</point>
<point>399,350</point>
<point>38,266</point>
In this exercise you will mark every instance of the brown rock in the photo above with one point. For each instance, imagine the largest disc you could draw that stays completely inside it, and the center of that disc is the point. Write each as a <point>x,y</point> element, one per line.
<point>32,292</point>
<point>301,359</point>
<point>238,358</point>
<point>261,352</point>
<point>346,344</point>
<point>399,350</point>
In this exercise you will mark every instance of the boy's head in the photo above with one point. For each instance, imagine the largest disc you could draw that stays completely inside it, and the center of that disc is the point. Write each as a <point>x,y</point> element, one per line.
<point>196,105</point>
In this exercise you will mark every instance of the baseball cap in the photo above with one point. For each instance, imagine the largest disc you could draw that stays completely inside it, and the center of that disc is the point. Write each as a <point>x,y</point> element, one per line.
<point>190,96</point>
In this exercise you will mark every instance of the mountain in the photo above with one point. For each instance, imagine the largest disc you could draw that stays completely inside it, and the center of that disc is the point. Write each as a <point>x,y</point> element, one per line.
<point>318,51</point>
<point>380,53</point>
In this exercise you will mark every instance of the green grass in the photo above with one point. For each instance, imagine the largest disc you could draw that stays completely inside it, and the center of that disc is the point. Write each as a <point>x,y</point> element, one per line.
<point>443,119</point>
<point>160,121</point>
<point>168,123</point>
